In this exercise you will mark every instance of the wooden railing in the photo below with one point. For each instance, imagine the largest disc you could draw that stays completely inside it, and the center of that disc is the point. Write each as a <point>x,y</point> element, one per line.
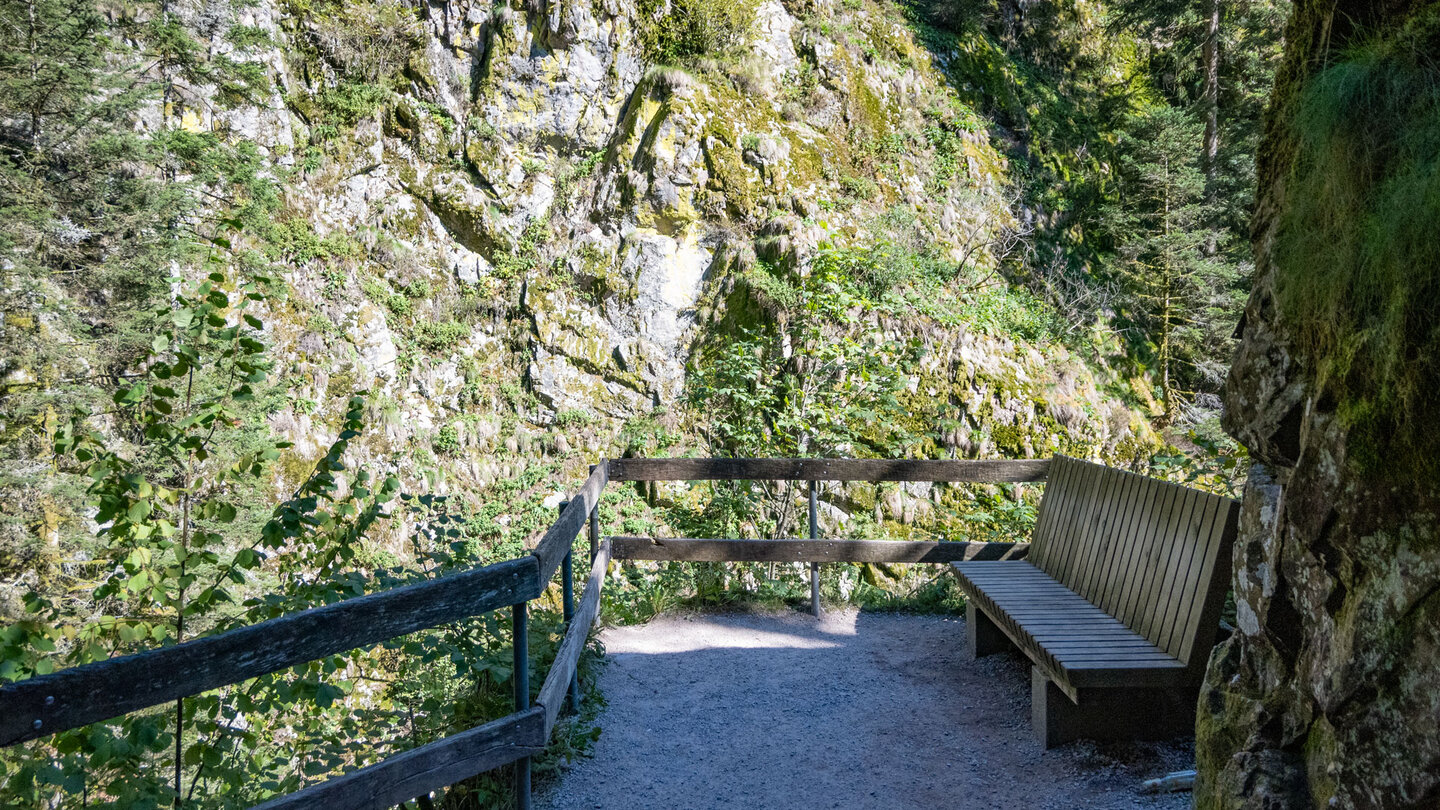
<point>82,695</point>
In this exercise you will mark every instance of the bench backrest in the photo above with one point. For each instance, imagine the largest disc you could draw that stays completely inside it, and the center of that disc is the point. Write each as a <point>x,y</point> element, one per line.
<point>1153,554</point>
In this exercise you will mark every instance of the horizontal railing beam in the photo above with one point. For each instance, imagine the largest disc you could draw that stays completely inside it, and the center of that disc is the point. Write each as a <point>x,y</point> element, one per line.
<point>557,681</point>
<point>419,771</point>
<point>556,543</point>
<point>867,551</point>
<point>817,469</point>
<point>94,692</point>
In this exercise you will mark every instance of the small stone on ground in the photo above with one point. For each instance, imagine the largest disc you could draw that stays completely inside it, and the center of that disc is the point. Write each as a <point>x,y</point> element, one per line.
<point>859,710</point>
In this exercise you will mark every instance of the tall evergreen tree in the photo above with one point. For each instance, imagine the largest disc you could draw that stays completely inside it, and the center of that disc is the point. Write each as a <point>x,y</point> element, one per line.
<point>1177,292</point>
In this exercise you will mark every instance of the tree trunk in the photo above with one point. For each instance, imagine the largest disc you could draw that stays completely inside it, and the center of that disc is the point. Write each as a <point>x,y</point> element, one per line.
<point>1210,100</point>
<point>33,37</point>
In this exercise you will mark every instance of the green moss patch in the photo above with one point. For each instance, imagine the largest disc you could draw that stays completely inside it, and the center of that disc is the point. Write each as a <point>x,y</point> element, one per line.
<point>1357,261</point>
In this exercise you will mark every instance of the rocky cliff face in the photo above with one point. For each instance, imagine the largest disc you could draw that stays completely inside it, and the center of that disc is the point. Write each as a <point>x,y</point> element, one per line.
<point>1326,696</point>
<point>579,215</point>
<point>511,226</point>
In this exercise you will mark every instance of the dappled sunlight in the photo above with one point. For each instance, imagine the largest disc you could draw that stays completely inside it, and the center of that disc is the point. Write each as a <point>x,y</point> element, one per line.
<point>696,633</point>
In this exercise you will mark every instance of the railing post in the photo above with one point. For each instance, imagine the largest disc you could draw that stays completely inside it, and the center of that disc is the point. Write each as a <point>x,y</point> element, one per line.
<point>519,626</point>
<point>568,586</point>
<point>594,525</point>
<point>814,566</point>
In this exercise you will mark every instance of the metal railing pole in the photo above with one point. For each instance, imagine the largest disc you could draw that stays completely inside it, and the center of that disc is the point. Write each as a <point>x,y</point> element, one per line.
<point>519,625</point>
<point>594,525</point>
<point>568,587</point>
<point>814,566</point>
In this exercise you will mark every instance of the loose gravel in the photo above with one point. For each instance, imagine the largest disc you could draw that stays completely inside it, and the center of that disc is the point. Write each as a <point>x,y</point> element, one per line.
<point>857,710</point>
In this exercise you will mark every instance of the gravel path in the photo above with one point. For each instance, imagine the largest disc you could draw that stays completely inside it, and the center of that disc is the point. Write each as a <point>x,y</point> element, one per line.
<point>861,710</point>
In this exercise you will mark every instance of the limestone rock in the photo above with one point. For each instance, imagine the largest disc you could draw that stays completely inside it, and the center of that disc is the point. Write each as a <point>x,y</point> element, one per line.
<point>773,27</point>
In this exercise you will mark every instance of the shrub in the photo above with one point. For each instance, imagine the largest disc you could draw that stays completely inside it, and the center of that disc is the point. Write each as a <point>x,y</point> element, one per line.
<point>320,322</point>
<point>350,102</point>
<point>861,188</point>
<point>371,41</point>
<point>695,28</point>
<point>436,337</point>
<point>481,130</point>
<point>572,418</point>
<point>446,441</point>
<point>418,288</point>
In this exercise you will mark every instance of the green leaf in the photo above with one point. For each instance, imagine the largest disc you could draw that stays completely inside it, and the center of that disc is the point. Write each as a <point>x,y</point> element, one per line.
<point>327,694</point>
<point>138,511</point>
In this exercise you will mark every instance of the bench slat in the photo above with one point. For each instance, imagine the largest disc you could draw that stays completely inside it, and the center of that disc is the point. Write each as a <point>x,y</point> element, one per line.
<point>1111,643</point>
<point>1098,533</point>
<point>1172,588</point>
<point>1134,611</point>
<point>1145,502</point>
<point>1160,581</point>
<point>1072,493</point>
<point>1211,585</point>
<point>1043,517</point>
<point>1187,571</point>
<point>1083,531</point>
<point>1113,584</point>
<point>1063,634</point>
<point>1053,505</point>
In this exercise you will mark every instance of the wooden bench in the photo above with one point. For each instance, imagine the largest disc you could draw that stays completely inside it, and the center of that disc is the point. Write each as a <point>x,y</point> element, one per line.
<point>1117,604</point>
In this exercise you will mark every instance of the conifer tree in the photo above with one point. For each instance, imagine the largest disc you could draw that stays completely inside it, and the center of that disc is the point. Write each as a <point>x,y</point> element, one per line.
<point>1177,293</point>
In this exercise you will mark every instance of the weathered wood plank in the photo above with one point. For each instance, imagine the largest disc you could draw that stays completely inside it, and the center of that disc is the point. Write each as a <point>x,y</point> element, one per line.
<point>1055,635</point>
<point>871,551</point>
<point>87,694</point>
<point>1098,539</point>
<point>1040,612</point>
<point>1146,519</point>
<point>1111,643</point>
<point>557,681</point>
<point>1137,506</point>
<point>416,772</point>
<point>1176,568</point>
<point>1039,598</point>
<point>1215,581</point>
<point>1076,658</point>
<point>560,537</point>
<point>1155,578</point>
<point>1140,574</point>
<point>999,574</point>
<point>1108,586</point>
<point>1048,514</point>
<point>818,469</point>
<point>1083,488</point>
<point>1187,572</point>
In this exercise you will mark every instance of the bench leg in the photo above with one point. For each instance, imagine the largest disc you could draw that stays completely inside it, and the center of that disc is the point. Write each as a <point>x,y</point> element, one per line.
<point>984,637</point>
<point>1108,714</point>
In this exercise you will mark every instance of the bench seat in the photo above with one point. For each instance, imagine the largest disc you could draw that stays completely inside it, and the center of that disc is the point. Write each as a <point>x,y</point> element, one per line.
<point>1116,604</point>
<point>1077,644</point>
